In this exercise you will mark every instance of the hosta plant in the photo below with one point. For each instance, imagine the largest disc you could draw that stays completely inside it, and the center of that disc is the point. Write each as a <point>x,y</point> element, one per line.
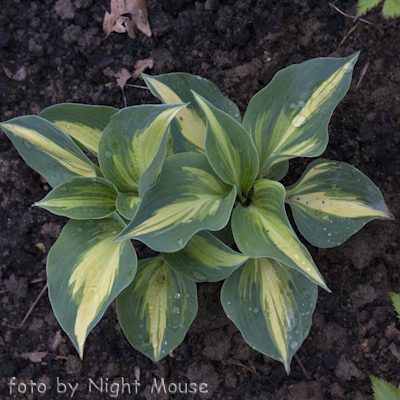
<point>196,183</point>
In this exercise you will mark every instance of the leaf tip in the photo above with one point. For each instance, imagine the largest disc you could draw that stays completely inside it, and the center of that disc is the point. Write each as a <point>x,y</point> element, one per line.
<point>327,289</point>
<point>286,364</point>
<point>390,216</point>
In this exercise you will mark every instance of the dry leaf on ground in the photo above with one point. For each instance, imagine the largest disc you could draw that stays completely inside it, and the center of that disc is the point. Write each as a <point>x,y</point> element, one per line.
<point>122,77</point>
<point>35,356</point>
<point>117,22</point>
<point>140,66</point>
<point>19,76</point>
<point>58,339</point>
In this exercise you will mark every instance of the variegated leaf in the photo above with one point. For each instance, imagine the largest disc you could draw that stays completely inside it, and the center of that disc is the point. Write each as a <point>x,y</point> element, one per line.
<point>85,272</point>
<point>188,130</point>
<point>278,171</point>
<point>188,197</point>
<point>127,204</point>
<point>272,305</point>
<point>133,146</point>
<point>205,259</point>
<point>156,310</point>
<point>332,201</point>
<point>262,229</point>
<point>47,149</point>
<point>84,123</point>
<point>289,118</point>
<point>229,148</point>
<point>81,198</point>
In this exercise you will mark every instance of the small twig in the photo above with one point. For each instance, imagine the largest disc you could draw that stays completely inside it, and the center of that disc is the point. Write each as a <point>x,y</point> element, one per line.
<point>355,18</point>
<point>302,366</point>
<point>362,74</point>
<point>348,34</point>
<point>33,306</point>
<point>239,364</point>
<point>137,86</point>
<point>4,291</point>
<point>123,94</point>
<point>388,257</point>
<point>37,280</point>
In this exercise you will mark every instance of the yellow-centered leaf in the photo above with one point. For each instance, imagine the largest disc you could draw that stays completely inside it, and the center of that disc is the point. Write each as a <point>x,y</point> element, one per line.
<point>156,310</point>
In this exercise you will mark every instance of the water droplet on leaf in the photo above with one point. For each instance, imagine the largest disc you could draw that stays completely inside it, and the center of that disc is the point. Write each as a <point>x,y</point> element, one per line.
<point>294,345</point>
<point>175,310</point>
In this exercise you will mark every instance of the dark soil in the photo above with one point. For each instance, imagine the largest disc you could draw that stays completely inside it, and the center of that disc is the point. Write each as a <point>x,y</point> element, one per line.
<point>239,45</point>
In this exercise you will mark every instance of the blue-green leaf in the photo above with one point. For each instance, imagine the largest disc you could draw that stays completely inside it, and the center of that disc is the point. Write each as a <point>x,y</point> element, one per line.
<point>156,310</point>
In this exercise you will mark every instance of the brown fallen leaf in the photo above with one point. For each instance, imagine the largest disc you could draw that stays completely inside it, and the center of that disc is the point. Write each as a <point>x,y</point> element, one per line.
<point>122,77</point>
<point>140,66</point>
<point>117,22</point>
<point>58,339</point>
<point>35,356</point>
<point>19,76</point>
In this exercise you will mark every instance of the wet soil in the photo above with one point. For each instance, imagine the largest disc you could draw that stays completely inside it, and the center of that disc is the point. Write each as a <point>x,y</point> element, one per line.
<point>239,45</point>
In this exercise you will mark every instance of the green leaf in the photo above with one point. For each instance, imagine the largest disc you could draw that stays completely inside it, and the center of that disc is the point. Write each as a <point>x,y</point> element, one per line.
<point>289,117</point>
<point>81,198</point>
<point>156,310</point>
<point>396,302</point>
<point>47,149</point>
<point>365,5</point>
<point>384,390</point>
<point>278,171</point>
<point>262,229</point>
<point>84,123</point>
<point>272,305</point>
<point>333,200</point>
<point>189,129</point>
<point>205,259</point>
<point>188,197</point>
<point>391,8</point>
<point>133,146</point>
<point>229,148</point>
<point>127,204</point>
<point>85,272</point>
